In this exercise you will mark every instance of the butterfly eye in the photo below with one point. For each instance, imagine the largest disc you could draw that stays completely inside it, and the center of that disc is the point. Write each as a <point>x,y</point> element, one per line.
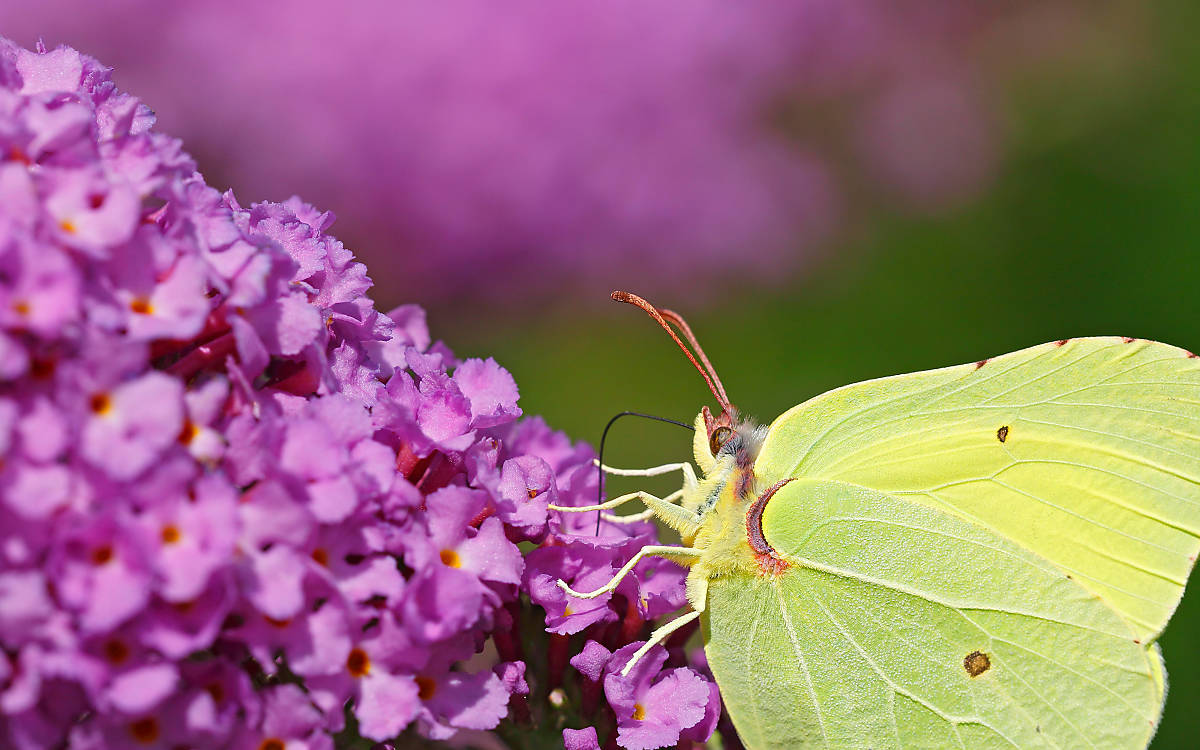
<point>719,437</point>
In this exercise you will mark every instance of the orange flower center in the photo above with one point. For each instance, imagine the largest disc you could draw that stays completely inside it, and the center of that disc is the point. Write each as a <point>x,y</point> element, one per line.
<point>426,687</point>
<point>358,663</point>
<point>100,403</point>
<point>145,730</point>
<point>188,432</point>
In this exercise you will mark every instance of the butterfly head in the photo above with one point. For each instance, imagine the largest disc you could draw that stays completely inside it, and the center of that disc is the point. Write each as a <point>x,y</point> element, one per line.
<point>726,435</point>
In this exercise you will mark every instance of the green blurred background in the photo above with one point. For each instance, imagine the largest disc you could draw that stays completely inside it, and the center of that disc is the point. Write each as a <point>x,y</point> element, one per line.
<point>1093,228</point>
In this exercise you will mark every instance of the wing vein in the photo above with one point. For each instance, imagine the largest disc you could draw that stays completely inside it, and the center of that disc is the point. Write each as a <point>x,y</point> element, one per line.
<point>791,631</point>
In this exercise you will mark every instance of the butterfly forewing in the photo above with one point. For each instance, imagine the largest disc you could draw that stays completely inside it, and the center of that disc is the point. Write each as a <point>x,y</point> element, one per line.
<point>1085,452</point>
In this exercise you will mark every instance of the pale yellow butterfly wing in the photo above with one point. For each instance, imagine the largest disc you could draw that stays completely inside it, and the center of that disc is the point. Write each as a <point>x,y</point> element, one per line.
<point>898,625</point>
<point>1085,453</point>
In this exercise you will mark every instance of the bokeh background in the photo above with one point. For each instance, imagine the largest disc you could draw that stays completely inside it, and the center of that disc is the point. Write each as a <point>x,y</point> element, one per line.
<point>828,190</point>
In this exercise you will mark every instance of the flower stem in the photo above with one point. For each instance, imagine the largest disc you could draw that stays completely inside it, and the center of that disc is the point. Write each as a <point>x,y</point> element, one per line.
<point>204,356</point>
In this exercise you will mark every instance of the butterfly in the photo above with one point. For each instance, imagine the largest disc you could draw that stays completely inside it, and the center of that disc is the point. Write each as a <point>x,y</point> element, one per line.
<point>979,556</point>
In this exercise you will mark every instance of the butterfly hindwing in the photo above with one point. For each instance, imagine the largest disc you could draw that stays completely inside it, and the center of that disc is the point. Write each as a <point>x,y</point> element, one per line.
<point>895,624</point>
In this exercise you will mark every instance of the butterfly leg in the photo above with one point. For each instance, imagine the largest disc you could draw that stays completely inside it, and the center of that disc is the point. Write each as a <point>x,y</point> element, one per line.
<point>685,553</point>
<point>606,505</point>
<point>641,515</point>
<point>660,633</point>
<point>689,474</point>
<point>684,467</point>
<point>682,519</point>
<point>653,471</point>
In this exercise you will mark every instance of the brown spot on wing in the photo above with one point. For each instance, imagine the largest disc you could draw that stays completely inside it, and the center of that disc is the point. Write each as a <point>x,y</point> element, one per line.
<point>1002,433</point>
<point>982,362</point>
<point>976,663</point>
<point>1061,342</point>
<point>1191,356</point>
<point>1128,339</point>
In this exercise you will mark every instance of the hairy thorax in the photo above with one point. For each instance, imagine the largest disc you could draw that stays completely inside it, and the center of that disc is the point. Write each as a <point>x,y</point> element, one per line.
<point>725,501</point>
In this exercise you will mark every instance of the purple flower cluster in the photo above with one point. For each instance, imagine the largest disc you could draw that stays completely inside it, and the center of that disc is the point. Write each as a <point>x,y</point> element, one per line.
<point>652,706</point>
<point>239,507</point>
<point>525,148</point>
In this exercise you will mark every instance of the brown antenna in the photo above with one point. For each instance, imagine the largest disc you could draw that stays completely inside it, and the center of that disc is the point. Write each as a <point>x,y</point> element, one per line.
<point>677,320</point>
<point>662,317</point>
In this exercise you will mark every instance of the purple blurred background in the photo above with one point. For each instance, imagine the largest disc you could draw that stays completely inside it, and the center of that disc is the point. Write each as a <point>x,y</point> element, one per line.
<point>524,151</point>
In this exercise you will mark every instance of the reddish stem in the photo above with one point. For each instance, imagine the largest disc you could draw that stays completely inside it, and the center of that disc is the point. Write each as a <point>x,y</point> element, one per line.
<point>631,625</point>
<point>556,660</point>
<point>589,695</point>
<point>301,382</point>
<point>442,469</point>
<point>518,709</point>
<point>506,636</point>
<point>204,356</point>
<point>410,464</point>
<point>214,325</point>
